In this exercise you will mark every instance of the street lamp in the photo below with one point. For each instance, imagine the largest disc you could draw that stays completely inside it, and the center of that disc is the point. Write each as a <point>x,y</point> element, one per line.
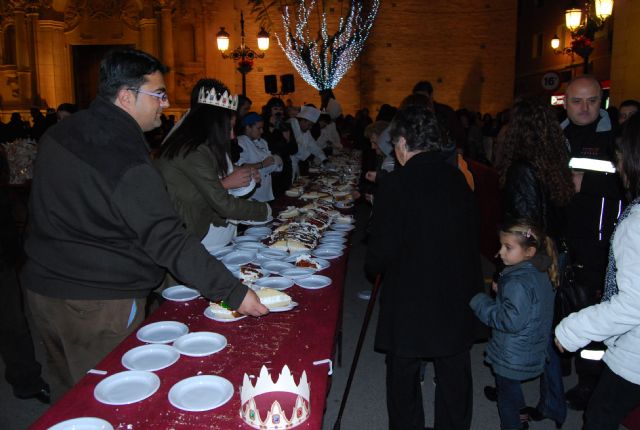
<point>583,24</point>
<point>244,55</point>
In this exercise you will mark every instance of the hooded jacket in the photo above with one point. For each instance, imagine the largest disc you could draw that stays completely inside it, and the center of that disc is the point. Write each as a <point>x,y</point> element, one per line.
<point>520,316</point>
<point>101,224</point>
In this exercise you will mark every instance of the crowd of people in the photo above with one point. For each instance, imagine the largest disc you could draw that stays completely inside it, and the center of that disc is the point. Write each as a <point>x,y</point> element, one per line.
<point>132,214</point>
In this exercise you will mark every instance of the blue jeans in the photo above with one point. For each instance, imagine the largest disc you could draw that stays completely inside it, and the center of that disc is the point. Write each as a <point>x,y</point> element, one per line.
<point>552,402</point>
<point>510,401</point>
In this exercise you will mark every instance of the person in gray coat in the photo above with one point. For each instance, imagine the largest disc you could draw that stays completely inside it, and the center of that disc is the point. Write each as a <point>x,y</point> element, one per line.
<point>520,315</point>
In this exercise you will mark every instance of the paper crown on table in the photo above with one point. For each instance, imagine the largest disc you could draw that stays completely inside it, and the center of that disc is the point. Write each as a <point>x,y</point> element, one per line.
<point>226,100</point>
<point>275,418</point>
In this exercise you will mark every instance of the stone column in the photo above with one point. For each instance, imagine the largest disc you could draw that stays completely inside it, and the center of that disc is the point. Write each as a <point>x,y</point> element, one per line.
<point>22,56</point>
<point>54,67</point>
<point>32,37</point>
<point>166,34</point>
<point>149,35</point>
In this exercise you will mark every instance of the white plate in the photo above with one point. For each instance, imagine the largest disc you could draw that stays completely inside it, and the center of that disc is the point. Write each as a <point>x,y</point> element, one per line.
<point>343,205</point>
<point>243,239</point>
<point>322,263</point>
<point>284,308</point>
<point>259,232</point>
<point>327,253</point>
<point>333,239</point>
<point>200,343</point>
<point>162,332</point>
<point>275,266</point>
<point>266,221</point>
<point>126,387</point>
<point>342,227</point>
<point>336,246</point>
<point>272,254</point>
<point>200,393</point>
<point>238,258</point>
<point>334,233</point>
<point>83,423</point>
<point>298,272</point>
<point>314,282</point>
<point>209,314</point>
<point>180,293</point>
<point>150,357</point>
<point>220,252</point>
<point>274,282</point>
<point>250,246</point>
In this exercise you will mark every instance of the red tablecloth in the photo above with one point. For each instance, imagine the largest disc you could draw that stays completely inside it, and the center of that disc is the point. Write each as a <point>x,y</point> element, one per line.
<point>296,338</point>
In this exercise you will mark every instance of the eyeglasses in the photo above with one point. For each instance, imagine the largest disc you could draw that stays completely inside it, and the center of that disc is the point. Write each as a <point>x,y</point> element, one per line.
<point>162,96</point>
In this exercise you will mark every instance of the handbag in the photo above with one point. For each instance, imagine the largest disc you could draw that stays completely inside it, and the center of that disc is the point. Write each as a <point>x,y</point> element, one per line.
<point>570,295</point>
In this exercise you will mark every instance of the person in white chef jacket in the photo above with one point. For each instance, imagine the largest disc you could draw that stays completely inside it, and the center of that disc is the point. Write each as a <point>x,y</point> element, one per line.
<point>255,154</point>
<point>307,146</point>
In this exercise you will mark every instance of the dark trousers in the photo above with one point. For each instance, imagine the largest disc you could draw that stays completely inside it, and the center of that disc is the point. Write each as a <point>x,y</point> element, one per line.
<point>77,334</point>
<point>453,396</point>
<point>22,370</point>
<point>510,401</point>
<point>612,400</point>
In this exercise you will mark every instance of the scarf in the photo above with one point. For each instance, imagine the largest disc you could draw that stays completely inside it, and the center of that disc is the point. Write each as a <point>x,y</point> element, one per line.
<point>610,283</point>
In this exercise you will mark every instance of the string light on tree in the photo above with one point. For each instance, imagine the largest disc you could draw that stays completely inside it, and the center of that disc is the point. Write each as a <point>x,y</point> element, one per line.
<point>323,61</point>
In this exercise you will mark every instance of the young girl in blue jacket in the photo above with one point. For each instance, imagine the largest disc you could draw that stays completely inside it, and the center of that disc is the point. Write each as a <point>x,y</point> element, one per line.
<point>520,316</point>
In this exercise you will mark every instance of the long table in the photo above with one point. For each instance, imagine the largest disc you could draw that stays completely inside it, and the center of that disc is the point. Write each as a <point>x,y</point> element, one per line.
<point>296,338</point>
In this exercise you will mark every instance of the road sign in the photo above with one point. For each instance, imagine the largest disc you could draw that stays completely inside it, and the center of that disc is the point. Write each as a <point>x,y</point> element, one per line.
<point>550,81</point>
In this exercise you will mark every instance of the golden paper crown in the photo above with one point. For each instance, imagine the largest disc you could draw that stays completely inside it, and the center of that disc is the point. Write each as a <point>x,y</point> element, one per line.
<point>275,418</point>
<point>226,100</point>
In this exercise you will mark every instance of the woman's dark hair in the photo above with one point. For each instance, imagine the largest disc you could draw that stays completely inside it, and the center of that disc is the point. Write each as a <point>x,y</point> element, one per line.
<point>629,153</point>
<point>204,124</point>
<point>126,68</point>
<point>534,135</point>
<point>419,127</point>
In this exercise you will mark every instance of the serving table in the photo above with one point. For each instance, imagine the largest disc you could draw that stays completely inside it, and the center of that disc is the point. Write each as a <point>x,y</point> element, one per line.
<point>294,338</point>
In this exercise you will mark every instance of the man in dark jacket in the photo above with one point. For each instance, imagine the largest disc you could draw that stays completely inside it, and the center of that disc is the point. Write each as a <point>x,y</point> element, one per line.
<point>594,209</point>
<point>102,229</point>
<point>424,242</point>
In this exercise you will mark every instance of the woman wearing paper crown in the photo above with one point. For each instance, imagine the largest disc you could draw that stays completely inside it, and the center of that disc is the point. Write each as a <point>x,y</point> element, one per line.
<point>255,154</point>
<point>193,162</point>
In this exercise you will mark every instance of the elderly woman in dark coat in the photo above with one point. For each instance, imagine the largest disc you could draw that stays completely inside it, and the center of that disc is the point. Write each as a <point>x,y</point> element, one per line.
<point>425,242</point>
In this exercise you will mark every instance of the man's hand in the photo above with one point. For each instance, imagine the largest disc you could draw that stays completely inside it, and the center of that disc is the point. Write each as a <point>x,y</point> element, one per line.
<point>268,161</point>
<point>240,177</point>
<point>251,305</point>
<point>558,344</point>
<point>577,180</point>
<point>255,174</point>
<point>370,176</point>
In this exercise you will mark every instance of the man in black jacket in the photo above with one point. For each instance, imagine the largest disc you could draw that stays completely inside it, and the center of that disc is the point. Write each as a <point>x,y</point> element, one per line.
<point>593,210</point>
<point>102,229</point>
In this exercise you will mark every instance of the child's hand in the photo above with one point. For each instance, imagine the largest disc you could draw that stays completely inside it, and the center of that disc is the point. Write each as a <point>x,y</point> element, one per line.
<point>558,344</point>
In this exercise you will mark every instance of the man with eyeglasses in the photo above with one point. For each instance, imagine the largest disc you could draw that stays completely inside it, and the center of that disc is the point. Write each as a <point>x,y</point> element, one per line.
<point>102,229</point>
<point>593,210</point>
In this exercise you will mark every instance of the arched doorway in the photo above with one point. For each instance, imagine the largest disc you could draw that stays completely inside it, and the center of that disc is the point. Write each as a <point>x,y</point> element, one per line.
<point>86,70</point>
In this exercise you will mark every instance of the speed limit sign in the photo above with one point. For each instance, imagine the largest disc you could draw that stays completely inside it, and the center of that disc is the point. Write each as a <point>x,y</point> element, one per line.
<point>550,81</point>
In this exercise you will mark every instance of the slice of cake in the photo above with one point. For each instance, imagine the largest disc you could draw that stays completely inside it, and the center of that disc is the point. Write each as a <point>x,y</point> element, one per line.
<point>273,298</point>
<point>222,311</point>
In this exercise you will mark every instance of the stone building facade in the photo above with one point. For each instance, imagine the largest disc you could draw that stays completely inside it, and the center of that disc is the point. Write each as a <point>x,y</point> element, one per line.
<point>50,50</point>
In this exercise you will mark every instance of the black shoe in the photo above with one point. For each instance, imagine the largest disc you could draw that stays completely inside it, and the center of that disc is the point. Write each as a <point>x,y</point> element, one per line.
<point>536,415</point>
<point>491,393</point>
<point>578,397</point>
<point>43,395</point>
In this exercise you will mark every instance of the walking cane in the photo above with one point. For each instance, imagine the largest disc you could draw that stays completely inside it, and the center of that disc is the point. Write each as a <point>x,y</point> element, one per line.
<point>354,363</point>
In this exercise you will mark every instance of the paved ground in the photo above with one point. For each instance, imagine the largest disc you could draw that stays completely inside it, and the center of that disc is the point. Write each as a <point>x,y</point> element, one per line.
<point>366,407</point>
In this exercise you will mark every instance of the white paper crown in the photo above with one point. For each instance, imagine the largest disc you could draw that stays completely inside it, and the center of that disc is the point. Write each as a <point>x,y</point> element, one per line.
<point>226,100</point>
<point>275,418</point>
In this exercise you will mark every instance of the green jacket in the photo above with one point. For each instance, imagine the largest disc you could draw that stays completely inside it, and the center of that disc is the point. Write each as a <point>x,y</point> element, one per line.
<point>194,185</point>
